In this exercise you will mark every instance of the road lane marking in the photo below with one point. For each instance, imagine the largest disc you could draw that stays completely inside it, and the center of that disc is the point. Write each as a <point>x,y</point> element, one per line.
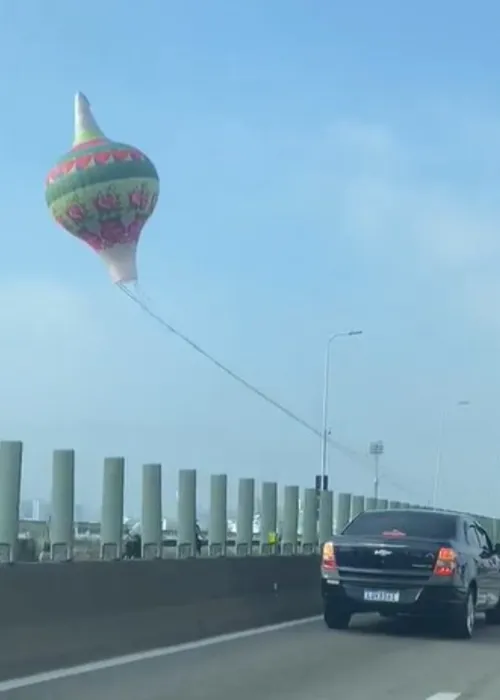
<point>445,696</point>
<point>94,666</point>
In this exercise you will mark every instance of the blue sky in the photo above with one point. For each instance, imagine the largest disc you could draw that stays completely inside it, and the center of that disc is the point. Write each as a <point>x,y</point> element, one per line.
<point>323,167</point>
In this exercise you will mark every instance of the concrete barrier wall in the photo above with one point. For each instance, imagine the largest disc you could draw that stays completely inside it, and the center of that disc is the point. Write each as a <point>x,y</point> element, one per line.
<point>56,615</point>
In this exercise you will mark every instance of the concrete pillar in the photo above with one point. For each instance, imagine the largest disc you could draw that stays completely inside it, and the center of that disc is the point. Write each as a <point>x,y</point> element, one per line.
<point>62,505</point>
<point>357,505</point>
<point>497,531</point>
<point>482,521</point>
<point>151,535</point>
<point>382,503</point>
<point>309,541</point>
<point>290,520</point>
<point>186,514</point>
<point>244,521</point>
<point>325,516</point>
<point>343,510</point>
<point>112,508</point>
<point>491,530</point>
<point>217,531</point>
<point>370,503</point>
<point>268,516</point>
<point>11,457</point>
<point>487,524</point>
<point>394,505</point>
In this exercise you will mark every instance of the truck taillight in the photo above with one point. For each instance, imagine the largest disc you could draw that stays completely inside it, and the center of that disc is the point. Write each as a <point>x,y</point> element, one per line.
<point>446,562</point>
<point>328,556</point>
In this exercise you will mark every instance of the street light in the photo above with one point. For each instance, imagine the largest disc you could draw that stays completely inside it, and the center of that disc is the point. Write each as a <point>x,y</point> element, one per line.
<point>326,384</point>
<point>439,453</point>
<point>377,450</point>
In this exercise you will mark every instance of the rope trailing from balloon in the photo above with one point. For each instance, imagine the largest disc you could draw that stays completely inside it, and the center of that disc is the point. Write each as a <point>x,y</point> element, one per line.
<point>135,294</point>
<point>145,307</point>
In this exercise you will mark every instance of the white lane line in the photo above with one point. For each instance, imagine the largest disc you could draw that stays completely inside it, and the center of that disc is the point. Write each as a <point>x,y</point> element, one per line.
<point>27,681</point>
<point>444,696</point>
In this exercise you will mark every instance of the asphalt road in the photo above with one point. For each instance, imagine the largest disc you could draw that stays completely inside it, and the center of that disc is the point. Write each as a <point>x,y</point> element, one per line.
<point>376,659</point>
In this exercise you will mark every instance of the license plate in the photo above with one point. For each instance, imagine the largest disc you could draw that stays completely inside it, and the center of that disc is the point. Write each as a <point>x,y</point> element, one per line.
<point>382,596</point>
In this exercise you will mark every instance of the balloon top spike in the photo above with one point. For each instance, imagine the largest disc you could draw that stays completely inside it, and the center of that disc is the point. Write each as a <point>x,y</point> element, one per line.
<point>86,127</point>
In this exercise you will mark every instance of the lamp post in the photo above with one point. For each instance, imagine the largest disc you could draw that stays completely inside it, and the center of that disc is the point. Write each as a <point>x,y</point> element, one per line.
<point>326,384</point>
<point>439,453</point>
<point>377,450</point>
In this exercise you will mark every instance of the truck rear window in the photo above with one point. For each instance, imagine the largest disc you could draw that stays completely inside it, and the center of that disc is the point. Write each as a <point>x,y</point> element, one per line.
<point>404,524</point>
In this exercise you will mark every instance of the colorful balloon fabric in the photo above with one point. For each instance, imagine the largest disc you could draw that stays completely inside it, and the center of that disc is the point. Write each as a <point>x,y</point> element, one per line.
<point>103,192</point>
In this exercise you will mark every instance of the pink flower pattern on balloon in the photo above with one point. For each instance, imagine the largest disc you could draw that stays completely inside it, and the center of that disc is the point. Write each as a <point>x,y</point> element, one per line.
<point>108,222</point>
<point>107,202</point>
<point>134,229</point>
<point>139,199</point>
<point>76,212</point>
<point>93,240</point>
<point>113,232</point>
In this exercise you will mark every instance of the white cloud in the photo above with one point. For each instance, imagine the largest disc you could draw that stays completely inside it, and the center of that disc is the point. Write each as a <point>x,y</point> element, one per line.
<point>368,142</point>
<point>457,233</point>
<point>429,198</point>
<point>392,198</point>
<point>482,299</point>
<point>40,307</point>
<point>43,314</point>
<point>50,343</point>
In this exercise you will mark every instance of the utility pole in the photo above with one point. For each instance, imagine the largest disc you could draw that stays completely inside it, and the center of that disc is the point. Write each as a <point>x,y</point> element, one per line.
<point>376,449</point>
<point>326,383</point>
<point>439,454</point>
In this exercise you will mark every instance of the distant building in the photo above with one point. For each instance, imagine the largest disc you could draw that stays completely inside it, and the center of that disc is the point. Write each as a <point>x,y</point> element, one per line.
<point>39,509</point>
<point>34,509</point>
<point>25,510</point>
<point>79,513</point>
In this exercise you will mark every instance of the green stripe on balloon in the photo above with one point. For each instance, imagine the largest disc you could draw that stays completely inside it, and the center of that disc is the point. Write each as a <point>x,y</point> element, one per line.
<point>100,175</point>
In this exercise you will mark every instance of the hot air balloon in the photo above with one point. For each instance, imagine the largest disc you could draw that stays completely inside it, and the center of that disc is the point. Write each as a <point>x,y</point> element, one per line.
<point>103,192</point>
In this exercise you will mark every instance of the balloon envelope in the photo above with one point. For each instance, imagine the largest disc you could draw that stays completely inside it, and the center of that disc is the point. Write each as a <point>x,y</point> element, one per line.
<point>103,192</point>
